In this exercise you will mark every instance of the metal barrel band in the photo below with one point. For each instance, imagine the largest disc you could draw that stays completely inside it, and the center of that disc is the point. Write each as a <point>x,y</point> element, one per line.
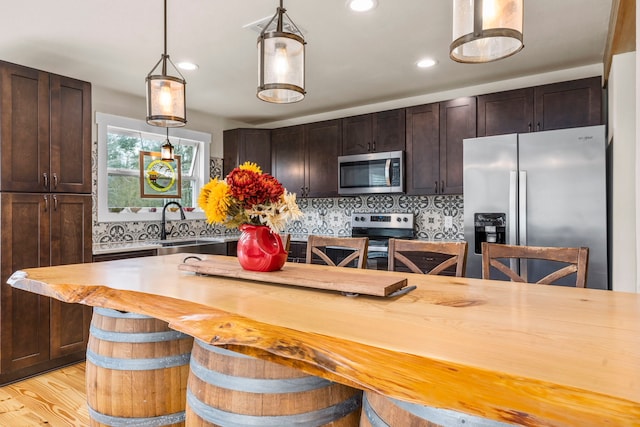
<point>119,364</point>
<point>306,419</point>
<point>135,337</point>
<point>446,417</point>
<point>372,416</point>
<point>108,312</point>
<point>162,420</point>
<point>257,385</point>
<point>220,350</point>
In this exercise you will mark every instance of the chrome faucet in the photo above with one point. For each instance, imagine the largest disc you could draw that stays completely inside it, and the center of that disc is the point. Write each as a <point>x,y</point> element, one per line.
<point>163,227</point>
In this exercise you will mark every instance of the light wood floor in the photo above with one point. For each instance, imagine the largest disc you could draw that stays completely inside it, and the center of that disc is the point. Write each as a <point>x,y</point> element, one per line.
<point>54,399</point>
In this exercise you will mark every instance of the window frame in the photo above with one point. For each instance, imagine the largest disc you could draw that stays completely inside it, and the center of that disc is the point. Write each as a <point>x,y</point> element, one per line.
<point>201,167</point>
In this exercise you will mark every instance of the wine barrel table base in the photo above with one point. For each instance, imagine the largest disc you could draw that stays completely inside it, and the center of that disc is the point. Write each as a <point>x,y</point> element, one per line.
<point>229,389</point>
<point>137,370</point>
<point>381,411</point>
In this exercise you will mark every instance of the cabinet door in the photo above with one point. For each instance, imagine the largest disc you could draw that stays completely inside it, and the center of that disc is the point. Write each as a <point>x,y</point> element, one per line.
<point>24,316</point>
<point>322,141</point>
<point>457,122</point>
<point>70,244</point>
<point>70,170</point>
<point>242,145</point>
<point>423,152</point>
<point>505,112</point>
<point>24,128</point>
<point>288,158</point>
<point>357,134</point>
<point>569,104</point>
<point>389,130</point>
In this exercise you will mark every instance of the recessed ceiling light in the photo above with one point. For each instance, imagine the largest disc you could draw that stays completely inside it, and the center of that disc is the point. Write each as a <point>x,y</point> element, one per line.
<point>362,5</point>
<point>426,63</point>
<point>188,66</point>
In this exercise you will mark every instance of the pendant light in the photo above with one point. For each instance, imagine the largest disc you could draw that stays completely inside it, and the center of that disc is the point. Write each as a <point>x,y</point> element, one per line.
<point>281,61</point>
<point>166,94</point>
<point>166,151</point>
<point>486,30</point>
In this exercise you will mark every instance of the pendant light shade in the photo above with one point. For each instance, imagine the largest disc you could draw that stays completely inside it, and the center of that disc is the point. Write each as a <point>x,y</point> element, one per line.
<point>166,151</point>
<point>281,61</point>
<point>166,94</point>
<point>486,30</point>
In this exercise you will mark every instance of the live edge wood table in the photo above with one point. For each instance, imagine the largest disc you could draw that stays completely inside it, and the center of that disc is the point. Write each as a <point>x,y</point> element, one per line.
<point>525,354</point>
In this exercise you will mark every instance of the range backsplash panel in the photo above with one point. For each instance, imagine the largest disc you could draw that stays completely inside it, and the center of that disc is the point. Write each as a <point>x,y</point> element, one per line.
<point>438,217</point>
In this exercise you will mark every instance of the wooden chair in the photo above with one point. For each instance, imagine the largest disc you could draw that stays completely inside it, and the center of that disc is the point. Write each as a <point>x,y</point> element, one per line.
<point>317,245</point>
<point>286,241</point>
<point>404,252</point>
<point>577,258</point>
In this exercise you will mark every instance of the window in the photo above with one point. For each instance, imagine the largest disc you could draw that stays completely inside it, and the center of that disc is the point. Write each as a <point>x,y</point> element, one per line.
<point>120,141</point>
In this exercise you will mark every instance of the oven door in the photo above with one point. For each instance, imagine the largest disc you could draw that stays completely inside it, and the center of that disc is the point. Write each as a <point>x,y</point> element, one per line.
<point>377,255</point>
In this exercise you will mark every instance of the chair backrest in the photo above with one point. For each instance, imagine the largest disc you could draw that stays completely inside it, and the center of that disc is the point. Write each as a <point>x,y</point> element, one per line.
<point>286,241</point>
<point>575,258</point>
<point>406,251</point>
<point>317,245</point>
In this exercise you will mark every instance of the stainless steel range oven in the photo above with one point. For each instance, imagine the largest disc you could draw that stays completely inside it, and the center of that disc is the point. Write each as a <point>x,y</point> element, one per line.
<point>379,227</point>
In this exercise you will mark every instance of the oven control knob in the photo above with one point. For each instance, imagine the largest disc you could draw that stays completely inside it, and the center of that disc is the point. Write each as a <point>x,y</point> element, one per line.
<point>361,218</point>
<point>398,219</point>
<point>405,219</point>
<point>356,219</point>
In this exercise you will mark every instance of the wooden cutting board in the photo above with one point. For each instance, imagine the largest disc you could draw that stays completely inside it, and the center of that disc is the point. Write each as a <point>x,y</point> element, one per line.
<point>347,280</point>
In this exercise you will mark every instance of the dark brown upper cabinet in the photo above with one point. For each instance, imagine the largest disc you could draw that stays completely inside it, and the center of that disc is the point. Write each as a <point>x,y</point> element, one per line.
<point>304,158</point>
<point>561,105</point>
<point>242,145</point>
<point>434,145</point>
<point>569,104</point>
<point>288,158</point>
<point>45,126</point>
<point>375,132</point>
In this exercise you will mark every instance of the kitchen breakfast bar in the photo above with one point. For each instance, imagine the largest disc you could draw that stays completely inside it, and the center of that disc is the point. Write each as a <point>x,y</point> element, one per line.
<point>520,354</point>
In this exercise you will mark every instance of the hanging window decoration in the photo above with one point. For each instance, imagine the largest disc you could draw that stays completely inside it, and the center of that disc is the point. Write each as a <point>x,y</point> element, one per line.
<point>160,178</point>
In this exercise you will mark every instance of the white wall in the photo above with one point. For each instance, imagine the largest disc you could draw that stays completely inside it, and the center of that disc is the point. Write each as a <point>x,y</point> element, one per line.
<point>622,134</point>
<point>527,81</point>
<point>120,104</point>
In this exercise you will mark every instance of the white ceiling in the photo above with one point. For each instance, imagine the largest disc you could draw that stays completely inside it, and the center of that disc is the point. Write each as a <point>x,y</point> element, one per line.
<point>352,59</point>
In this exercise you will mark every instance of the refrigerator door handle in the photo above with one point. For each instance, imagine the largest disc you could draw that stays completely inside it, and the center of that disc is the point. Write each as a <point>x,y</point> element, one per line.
<point>512,215</point>
<point>522,190</point>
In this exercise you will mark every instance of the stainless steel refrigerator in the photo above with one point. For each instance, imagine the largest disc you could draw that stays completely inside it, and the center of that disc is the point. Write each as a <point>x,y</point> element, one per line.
<point>538,189</point>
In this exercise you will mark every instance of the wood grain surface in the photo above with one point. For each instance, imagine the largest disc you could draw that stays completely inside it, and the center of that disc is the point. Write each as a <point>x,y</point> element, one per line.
<point>349,280</point>
<point>53,399</point>
<point>533,355</point>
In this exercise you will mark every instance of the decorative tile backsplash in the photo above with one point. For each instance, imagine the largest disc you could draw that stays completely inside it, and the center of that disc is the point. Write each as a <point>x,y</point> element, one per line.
<point>330,216</point>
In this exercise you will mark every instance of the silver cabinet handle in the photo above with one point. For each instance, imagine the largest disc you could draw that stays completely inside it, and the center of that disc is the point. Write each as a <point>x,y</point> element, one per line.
<point>55,180</point>
<point>46,180</point>
<point>55,202</point>
<point>46,203</point>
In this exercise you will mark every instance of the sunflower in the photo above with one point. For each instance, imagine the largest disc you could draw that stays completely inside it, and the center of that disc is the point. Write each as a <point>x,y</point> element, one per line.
<point>215,200</point>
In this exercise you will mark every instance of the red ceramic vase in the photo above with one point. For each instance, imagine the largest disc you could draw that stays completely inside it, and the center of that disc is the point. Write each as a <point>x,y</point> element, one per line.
<point>260,249</point>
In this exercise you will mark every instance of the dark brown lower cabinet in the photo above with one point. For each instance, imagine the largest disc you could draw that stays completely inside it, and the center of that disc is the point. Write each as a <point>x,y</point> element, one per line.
<point>38,333</point>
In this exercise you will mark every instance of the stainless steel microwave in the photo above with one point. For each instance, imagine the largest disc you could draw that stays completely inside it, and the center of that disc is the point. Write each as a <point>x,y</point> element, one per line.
<point>371,173</point>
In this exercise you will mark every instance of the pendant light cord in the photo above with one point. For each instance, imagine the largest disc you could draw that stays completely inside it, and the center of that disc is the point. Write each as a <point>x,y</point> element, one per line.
<point>164,55</point>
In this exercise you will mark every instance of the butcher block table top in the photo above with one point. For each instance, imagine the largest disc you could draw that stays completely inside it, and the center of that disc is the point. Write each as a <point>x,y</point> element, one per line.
<point>533,355</point>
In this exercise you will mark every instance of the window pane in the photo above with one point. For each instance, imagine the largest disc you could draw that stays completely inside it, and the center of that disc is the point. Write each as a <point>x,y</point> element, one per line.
<point>122,150</point>
<point>124,191</point>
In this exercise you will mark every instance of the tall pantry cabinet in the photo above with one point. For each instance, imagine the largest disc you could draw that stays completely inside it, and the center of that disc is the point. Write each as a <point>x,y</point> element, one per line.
<point>45,207</point>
